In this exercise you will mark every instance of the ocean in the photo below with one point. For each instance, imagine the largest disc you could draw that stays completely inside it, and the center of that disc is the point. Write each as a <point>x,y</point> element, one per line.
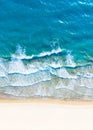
<point>46,49</point>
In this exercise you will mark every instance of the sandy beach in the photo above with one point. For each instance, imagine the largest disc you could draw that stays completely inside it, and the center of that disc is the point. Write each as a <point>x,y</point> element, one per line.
<point>46,114</point>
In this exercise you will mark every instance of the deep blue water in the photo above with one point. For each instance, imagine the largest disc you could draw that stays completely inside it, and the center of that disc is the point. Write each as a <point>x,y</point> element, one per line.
<point>46,40</point>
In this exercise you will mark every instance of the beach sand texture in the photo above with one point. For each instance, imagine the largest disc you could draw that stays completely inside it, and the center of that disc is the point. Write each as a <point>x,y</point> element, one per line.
<point>45,115</point>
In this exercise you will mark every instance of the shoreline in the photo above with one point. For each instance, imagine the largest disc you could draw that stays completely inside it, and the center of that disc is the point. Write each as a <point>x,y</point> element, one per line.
<point>47,101</point>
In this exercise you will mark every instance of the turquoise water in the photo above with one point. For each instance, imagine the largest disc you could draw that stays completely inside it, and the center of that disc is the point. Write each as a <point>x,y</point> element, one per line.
<point>46,48</point>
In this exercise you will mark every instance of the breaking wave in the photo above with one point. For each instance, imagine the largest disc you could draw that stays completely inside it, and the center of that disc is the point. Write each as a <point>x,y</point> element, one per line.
<point>48,75</point>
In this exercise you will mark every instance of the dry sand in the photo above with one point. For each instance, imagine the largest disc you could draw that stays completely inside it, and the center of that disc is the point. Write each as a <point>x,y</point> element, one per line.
<point>45,115</point>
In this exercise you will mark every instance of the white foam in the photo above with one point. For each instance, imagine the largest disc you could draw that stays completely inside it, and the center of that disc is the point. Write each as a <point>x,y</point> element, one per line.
<point>26,80</point>
<point>2,73</point>
<point>82,3</point>
<point>70,60</point>
<point>32,68</point>
<point>85,3</point>
<point>17,66</point>
<point>22,57</point>
<point>21,54</point>
<point>55,65</point>
<point>2,68</point>
<point>62,72</point>
<point>60,21</point>
<point>61,85</point>
<point>88,75</point>
<point>54,51</point>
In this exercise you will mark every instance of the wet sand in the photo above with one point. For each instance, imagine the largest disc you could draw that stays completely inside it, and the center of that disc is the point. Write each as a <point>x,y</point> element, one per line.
<point>45,114</point>
<point>47,101</point>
